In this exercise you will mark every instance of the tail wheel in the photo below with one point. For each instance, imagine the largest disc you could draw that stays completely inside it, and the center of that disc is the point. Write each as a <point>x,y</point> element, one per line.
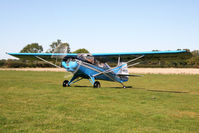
<point>65,83</point>
<point>96,84</point>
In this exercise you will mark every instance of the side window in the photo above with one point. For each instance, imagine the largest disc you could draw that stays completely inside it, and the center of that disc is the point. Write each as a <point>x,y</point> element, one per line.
<point>67,60</point>
<point>90,59</point>
<point>99,64</point>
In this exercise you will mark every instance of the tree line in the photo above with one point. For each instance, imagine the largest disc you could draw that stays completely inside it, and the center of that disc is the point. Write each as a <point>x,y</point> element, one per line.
<point>64,47</point>
<point>55,47</point>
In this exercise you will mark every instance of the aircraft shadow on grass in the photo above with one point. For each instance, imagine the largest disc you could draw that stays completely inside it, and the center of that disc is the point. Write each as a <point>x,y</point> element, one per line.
<point>131,87</point>
<point>106,87</point>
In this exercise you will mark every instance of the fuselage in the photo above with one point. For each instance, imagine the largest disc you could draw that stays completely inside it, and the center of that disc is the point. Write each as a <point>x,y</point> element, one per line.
<point>88,70</point>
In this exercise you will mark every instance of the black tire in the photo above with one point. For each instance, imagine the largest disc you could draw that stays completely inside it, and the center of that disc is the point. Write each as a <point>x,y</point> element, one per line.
<point>65,83</point>
<point>96,84</point>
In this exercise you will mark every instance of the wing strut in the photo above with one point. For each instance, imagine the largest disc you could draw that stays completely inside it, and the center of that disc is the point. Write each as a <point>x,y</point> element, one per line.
<point>134,64</point>
<point>135,59</point>
<point>47,62</point>
<point>107,71</point>
<point>118,63</point>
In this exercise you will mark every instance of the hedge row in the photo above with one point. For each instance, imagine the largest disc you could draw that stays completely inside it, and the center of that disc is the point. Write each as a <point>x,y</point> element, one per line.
<point>19,63</point>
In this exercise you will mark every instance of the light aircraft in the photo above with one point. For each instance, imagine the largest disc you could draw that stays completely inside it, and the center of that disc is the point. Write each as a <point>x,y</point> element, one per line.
<point>94,66</point>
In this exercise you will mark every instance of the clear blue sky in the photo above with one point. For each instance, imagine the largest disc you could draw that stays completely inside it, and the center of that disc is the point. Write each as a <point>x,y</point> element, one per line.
<point>100,26</point>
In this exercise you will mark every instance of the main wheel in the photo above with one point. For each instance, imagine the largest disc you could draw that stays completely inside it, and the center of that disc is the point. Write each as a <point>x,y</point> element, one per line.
<point>96,84</point>
<point>65,83</point>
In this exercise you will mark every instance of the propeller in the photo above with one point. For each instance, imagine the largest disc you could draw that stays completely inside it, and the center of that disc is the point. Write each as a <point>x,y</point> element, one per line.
<point>62,48</point>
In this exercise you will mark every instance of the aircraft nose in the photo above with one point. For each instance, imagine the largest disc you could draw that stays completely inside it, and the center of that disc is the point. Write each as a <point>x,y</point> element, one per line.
<point>70,66</point>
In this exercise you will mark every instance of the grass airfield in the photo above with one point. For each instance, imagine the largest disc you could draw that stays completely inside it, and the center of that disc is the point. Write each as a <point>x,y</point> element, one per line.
<point>37,102</point>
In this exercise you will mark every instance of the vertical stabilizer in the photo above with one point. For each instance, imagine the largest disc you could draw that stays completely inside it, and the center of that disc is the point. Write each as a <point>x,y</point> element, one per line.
<point>124,69</point>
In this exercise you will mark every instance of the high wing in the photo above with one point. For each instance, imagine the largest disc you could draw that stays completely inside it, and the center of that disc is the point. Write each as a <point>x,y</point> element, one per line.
<point>111,57</point>
<point>153,55</point>
<point>46,56</point>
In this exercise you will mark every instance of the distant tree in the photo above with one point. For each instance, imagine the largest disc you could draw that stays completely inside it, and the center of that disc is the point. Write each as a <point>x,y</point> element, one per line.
<point>59,47</point>
<point>195,53</point>
<point>53,45</point>
<point>81,50</point>
<point>32,48</point>
<point>188,50</point>
<point>2,63</point>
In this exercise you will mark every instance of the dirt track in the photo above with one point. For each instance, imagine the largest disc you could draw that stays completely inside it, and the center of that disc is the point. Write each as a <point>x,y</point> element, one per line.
<point>131,70</point>
<point>165,70</point>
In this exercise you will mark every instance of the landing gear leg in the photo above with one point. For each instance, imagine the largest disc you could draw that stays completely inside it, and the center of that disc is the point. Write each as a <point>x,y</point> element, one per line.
<point>96,84</point>
<point>65,83</point>
<point>123,85</point>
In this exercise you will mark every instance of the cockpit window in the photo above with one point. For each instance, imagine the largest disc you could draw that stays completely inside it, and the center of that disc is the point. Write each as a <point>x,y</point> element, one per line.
<point>68,59</point>
<point>90,59</point>
<point>87,57</point>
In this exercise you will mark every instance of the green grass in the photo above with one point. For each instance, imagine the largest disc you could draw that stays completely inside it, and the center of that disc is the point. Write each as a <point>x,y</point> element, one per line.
<point>37,102</point>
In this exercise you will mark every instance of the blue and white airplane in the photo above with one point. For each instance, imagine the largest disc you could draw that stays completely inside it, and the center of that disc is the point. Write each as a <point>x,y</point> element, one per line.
<point>94,67</point>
